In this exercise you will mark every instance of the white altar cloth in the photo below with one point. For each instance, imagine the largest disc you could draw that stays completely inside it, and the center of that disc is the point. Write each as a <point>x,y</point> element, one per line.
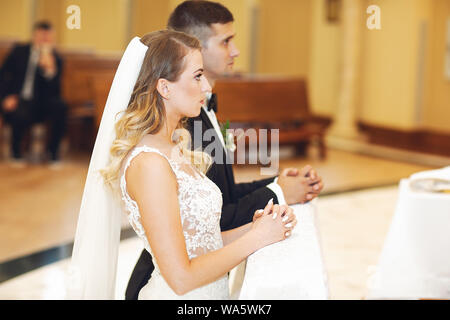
<point>290,269</point>
<point>415,260</point>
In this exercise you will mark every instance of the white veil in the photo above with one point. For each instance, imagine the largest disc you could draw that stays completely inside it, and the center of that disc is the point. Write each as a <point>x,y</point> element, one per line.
<point>92,272</point>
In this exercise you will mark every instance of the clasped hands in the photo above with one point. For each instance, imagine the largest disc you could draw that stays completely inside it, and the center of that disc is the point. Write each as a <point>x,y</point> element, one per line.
<point>300,186</point>
<point>47,60</point>
<point>281,215</point>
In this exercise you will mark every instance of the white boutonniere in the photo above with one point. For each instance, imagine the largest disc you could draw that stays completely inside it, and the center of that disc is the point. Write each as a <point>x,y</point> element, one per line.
<point>228,136</point>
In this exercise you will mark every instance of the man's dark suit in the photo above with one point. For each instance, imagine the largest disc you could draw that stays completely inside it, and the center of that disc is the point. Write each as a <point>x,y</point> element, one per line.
<point>240,201</point>
<point>46,102</point>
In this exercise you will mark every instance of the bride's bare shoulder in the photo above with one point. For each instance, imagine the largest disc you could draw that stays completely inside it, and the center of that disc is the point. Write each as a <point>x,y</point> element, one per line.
<point>147,170</point>
<point>149,164</point>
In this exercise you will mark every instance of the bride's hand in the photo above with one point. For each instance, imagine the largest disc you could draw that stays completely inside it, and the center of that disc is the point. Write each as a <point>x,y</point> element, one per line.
<point>270,227</point>
<point>258,214</point>
<point>288,217</point>
<point>287,214</point>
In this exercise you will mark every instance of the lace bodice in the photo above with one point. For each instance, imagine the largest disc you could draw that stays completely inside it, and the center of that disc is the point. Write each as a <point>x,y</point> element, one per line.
<point>200,202</point>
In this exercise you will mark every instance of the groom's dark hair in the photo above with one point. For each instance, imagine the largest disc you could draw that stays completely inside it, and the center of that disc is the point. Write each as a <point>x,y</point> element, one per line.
<point>195,18</point>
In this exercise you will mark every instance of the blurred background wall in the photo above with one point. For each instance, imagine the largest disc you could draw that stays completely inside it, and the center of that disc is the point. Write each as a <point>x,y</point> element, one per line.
<point>401,71</point>
<point>378,88</point>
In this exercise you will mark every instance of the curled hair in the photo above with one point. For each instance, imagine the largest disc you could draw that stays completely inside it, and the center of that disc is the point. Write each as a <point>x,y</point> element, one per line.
<point>145,114</point>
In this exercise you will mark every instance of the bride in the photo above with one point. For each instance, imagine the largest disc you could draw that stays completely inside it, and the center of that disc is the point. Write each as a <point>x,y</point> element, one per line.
<point>173,207</point>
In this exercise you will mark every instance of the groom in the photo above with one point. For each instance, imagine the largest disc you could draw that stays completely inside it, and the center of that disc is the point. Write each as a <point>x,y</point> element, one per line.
<point>212,24</point>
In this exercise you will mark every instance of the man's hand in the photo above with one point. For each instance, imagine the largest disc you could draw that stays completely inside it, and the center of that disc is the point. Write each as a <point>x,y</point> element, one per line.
<point>300,186</point>
<point>308,171</point>
<point>47,60</point>
<point>258,214</point>
<point>10,103</point>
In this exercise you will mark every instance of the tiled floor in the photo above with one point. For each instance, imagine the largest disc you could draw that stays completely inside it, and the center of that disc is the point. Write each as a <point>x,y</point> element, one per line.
<point>48,283</point>
<point>352,228</point>
<point>39,207</point>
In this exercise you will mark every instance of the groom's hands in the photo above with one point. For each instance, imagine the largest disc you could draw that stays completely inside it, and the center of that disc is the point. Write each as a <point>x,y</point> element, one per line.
<point>300,186</point>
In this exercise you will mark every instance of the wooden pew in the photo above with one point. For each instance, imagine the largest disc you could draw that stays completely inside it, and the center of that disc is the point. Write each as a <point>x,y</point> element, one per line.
<point>263,102</point>
<point>101,84</point>
<point>86,78</point>
<point>79,70</point>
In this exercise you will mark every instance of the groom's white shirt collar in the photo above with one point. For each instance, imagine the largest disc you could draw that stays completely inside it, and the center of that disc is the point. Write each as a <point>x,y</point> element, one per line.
<point>212,117</point>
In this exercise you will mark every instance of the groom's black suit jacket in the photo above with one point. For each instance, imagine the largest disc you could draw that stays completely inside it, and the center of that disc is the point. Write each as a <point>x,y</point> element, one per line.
<point>240,201</point>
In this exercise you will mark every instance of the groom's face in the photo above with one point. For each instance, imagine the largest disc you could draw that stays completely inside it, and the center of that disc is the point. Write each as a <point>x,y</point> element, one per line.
<point>220,51</point>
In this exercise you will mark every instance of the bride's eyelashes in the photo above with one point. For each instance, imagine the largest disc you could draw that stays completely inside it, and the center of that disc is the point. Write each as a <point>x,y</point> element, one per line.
<point>198,76</point>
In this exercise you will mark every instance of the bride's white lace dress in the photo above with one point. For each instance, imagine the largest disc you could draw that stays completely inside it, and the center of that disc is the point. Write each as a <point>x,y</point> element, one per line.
<point>200,202</point>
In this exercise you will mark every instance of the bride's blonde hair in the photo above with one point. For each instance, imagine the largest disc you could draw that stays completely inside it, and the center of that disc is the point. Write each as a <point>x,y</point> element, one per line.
<point>145,114</point>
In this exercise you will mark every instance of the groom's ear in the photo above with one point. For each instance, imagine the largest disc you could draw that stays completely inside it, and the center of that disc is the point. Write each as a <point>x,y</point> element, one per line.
<point>163,88</point>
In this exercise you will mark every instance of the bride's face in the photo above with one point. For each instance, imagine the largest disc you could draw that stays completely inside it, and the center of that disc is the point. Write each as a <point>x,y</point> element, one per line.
<point>187,95</point>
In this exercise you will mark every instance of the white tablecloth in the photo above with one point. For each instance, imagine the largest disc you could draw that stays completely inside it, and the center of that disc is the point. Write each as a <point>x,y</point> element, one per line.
<point>415,261</point>
<point>290,269</point>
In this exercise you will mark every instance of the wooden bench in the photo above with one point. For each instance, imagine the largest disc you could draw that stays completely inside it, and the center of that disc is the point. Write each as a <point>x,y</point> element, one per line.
<point>271,103</point>
<point>101,84</point>
<point>85,85</point>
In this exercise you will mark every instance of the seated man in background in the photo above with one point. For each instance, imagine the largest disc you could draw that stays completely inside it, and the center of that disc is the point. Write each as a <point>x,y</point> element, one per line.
<point>30,90</point>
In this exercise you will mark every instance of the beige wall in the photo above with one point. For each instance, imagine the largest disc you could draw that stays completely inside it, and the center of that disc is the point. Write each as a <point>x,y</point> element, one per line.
<point>53,11</point>
<point>403,83</point>
<point>149,16</point>
<point>104,25</point>
<point>294,39</point>
<point>16,18</point>
<point>390,87</point>
<point>284,37</point>
<point>324,62</point>
<point>437,111</point>
<point>241,10</point>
